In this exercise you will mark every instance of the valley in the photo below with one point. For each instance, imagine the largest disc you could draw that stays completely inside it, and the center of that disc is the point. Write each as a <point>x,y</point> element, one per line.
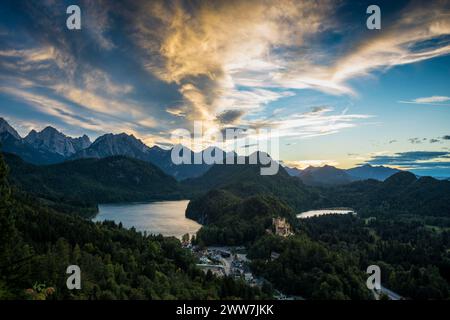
<point>401,224</point>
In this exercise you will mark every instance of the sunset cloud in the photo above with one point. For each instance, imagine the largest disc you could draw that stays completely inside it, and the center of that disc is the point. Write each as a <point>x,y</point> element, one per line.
<point>212,50</point>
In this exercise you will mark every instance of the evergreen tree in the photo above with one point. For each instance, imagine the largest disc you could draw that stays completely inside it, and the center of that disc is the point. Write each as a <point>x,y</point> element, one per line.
<point>7,230</point>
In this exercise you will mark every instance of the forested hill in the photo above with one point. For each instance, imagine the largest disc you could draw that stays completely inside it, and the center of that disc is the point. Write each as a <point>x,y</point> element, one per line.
<point>37,244</point>
<point>402,193</point>
<point>92,181</point>
<point>245,180</point>
<point>236,203</point>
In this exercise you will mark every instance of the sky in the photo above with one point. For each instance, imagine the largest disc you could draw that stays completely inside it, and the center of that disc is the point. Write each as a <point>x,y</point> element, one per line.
<point>334,91</point>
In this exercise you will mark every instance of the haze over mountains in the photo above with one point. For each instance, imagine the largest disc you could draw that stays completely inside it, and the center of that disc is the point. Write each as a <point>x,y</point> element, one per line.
<point>50,146</point>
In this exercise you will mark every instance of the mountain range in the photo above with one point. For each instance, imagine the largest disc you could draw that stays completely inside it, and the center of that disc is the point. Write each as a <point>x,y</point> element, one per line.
<point>50,146</point>
<point>329,175</point>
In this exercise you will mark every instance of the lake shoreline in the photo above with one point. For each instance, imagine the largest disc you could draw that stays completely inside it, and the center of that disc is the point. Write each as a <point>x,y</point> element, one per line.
<point>325,211</point>
<point>154,217</point>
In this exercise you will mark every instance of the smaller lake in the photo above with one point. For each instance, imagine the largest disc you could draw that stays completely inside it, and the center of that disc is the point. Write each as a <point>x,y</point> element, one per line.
<point>160,217</point>
<point>320,212</point>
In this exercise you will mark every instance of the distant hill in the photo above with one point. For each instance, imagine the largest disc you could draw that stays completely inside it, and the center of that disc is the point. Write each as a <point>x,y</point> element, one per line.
<point>111,179</point>
<point>293,172</point>
<point>326,175</point>
<point>371,172</point>
<point>329,175</point>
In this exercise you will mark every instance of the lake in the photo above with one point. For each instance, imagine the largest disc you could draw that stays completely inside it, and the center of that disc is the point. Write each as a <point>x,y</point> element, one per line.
<point>160,217</point>
<point>320,212</point>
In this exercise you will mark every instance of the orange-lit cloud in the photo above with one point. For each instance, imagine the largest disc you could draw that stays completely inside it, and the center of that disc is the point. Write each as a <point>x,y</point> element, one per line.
<point>209,50</point>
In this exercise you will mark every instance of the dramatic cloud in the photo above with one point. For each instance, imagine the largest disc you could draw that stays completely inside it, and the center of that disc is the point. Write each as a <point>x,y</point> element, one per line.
<point>211,49</point>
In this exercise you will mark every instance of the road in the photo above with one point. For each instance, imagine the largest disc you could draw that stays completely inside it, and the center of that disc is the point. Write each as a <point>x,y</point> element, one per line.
<point>391,294</point>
